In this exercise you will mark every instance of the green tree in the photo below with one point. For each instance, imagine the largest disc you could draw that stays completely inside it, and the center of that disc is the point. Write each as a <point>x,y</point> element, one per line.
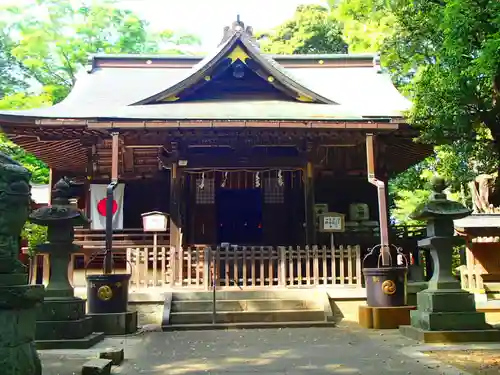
<point>450,49</point>
<point>54,38</point>
<point>366,24</point>
<point>49,41</point>
<point>311,30</point>
<point>11,75</point>
<point>446,56</point>
<point>39,170</point>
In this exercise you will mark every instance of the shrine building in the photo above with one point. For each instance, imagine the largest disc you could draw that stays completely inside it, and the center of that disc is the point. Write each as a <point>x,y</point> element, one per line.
<point>236,147</point>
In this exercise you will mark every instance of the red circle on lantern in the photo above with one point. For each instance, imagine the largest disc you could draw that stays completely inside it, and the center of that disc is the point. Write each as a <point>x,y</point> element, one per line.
<point>101,207</point>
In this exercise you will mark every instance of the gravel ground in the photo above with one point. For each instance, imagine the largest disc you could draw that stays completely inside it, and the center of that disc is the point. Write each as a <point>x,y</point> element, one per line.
<point>475,362</point>
<point>340,350</point>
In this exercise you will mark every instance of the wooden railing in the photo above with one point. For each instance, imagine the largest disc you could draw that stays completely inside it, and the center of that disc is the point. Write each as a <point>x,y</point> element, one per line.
<point>244,267</point>
<point>122,239</point>
<point>92,242</point>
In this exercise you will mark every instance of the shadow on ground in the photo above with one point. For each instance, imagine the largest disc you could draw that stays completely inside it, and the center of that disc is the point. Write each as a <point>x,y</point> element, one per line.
<point>347,349</point>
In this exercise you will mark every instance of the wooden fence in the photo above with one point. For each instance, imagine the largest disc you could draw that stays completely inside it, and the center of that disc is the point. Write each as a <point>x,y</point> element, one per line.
<point>241,267</point>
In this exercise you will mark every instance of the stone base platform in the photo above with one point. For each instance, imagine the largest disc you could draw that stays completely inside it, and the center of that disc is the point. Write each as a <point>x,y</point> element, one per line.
<point>486,335</point>
<point>83,343</point>
<point>384,317</point>
<point>115,323</point>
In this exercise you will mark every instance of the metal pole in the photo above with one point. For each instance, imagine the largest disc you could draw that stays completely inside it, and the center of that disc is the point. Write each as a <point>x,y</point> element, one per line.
<point>214,287</point>
<point>382,202</point>
<point>108,257</point>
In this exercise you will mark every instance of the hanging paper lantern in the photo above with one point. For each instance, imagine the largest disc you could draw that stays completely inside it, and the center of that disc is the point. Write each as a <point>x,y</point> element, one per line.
<point>224,180</point>
<point>201,186</point>
<point>280,179</point>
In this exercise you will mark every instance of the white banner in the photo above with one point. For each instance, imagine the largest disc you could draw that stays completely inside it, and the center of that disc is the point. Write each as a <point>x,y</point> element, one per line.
<point>98,208</point>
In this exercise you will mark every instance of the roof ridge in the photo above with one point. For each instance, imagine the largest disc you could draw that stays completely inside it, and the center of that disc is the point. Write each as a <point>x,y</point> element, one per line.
<point>229,45</point>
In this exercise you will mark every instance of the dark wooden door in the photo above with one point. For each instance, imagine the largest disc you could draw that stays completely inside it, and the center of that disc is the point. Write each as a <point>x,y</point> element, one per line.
<point>239,216</point>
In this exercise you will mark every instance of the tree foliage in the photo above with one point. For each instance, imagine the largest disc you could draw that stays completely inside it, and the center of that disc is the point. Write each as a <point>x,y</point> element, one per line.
<point>366,24</point>
<point>312,30</point>
<point>39,170</point>
<point>54,38</point>
<point>48,42</point>
<point>445,55</point>
<point>11,75</point>
<point>451,52</point>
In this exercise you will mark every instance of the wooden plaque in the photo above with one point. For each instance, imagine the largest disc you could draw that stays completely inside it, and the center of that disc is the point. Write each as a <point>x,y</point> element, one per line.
<point>331,222</point>
<point>154,222</point>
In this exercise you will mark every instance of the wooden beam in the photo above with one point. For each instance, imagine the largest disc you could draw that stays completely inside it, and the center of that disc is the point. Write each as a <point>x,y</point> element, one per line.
<point>237,161</point>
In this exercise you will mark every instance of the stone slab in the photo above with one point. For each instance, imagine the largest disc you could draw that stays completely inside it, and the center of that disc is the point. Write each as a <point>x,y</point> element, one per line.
<point>115,355</point>
<point>97,367</point>
<point>82,343</point>
<point>63,329</point>
<point>447,321</point>
<point>247,316</point>
<point>442,301</point>
<point>456,336</point>
<point>115,323</point>
<point>365,316</point>
<point>60,309</point>
<point>236,326</point>
<point>391,317</point>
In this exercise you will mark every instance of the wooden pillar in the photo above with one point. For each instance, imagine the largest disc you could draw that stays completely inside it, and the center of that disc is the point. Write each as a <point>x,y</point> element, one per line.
<point>115,143</point>
<point>88,180</point>
<point>175,222</point>
<point>309,205</point>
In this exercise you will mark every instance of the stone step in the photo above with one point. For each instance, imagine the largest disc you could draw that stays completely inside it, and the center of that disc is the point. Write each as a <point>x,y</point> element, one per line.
<point>81,343</point>
<point>245,305</point>
<point>97,367</point>
<point>250,325</point>
<point>247,316</point>
<point>300,294</point>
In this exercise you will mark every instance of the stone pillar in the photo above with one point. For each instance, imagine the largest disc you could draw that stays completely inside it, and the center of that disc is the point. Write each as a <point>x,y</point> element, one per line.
<point>18,300</point>
<point>445,312</point>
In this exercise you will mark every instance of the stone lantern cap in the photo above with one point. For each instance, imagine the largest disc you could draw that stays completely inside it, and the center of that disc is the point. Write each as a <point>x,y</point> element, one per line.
<point>61,209</point>
<point>438,206</point>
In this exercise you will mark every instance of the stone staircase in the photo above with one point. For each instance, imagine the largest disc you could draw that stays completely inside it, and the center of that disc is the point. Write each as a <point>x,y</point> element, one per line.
<point>247,309</point>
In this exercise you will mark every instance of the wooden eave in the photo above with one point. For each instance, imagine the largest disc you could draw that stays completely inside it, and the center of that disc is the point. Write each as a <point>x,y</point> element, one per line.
<point>287,61</point>
<point>69,128</point>
<point>242,47</point>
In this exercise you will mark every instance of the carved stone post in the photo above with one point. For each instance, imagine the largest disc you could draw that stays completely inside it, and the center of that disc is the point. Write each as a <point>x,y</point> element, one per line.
<point>18,300</point>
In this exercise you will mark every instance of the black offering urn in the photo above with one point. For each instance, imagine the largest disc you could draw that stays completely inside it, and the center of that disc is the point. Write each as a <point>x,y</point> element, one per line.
<point>386,284</point>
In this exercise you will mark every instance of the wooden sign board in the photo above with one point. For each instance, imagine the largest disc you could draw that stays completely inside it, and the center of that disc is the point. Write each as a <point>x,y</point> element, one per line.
<point>154,221</point>
<point>331,222</point>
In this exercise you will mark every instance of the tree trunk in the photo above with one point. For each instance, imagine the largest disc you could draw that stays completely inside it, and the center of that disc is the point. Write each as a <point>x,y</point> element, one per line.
<point>495,196</point>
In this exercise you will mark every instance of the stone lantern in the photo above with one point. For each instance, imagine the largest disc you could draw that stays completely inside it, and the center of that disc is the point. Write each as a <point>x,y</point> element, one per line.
<point>62,322</point>
<point>445,312</point>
